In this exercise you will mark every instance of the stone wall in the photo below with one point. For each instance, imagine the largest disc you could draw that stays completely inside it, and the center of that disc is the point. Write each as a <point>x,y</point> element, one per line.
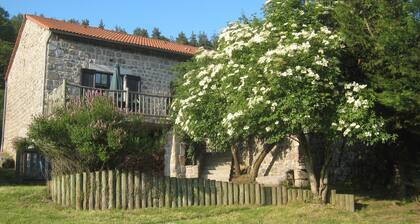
<point>67,57</point>
<point>281,161</point>
<point>25,84</point>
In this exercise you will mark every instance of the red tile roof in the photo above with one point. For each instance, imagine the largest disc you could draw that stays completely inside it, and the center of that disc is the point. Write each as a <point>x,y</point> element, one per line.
<point>108,35</point>
<point>103,35</point>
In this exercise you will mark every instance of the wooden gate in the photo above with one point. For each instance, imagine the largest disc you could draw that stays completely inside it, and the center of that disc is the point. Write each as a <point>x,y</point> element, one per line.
<point>31,165</point>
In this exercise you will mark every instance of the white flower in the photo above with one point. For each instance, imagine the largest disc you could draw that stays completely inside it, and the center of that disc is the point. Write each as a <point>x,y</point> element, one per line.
<point>268,129</point>
<point>246,127</point>
<point>346,132</point>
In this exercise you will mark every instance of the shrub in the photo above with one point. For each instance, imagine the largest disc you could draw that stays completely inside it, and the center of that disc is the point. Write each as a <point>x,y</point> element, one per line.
<point>6,161</point>
<point>94,135</point>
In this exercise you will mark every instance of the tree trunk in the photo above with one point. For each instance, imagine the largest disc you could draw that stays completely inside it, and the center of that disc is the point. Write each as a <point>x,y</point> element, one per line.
<point>309,165</point>
<point>235,160</point>
<point>265,149</point>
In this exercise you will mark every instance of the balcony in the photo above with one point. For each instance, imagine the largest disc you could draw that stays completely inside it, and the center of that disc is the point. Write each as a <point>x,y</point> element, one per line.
<point>154,107</point>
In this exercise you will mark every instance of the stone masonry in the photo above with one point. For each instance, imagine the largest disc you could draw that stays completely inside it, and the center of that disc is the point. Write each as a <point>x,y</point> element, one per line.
<point>24,88</point>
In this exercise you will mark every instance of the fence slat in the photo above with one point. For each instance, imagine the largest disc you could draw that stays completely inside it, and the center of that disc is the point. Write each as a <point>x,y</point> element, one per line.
<point>274,195</point>
<point>67,186</point>
<point>143,191</point>
<point>213,192</point>
<point>167,192</point>
<point>184,192</point>
<point>241,194</point>
<point>78,191</point>
<point>111,196</point>
<point>174,197</point>
<point>85,191</point>
<point>161,192</point>
<point>190,199</point>
<point>257,194</point>
<point>72,190</point>
<point>252,194</point>
<point>333,197</point>
<point>92,189</point>
<point>247,199</point>
<point>104,190</point>
<point>124,190</point>
<point>118,204</point>
<point>284,195</point>
<point>202,193</point>
<point>219,193</point>
<point>279,195</point>
<point>137,192</point>
<point>97,190</point>
<point>130,185</point>
<point>63,191</point>
<point>225,193</point>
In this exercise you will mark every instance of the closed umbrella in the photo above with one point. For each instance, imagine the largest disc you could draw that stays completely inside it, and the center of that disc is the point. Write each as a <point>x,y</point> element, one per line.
<point>116,85</point>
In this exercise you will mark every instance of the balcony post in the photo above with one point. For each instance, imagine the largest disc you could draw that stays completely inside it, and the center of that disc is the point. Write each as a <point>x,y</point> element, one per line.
<point>126,101</point>
<point>64,92</point>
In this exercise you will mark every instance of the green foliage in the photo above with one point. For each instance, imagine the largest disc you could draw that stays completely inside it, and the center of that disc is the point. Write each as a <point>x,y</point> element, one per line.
<point>182,38</point>
<point>383,46</point>
<point>93,135</point>
<point>141,32</point>
<point>119,29</point>
<point>101,24</point>
<point>274,78</point>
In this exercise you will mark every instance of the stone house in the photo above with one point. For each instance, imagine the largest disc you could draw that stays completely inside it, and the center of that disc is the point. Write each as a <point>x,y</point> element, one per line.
<point>54,60</point>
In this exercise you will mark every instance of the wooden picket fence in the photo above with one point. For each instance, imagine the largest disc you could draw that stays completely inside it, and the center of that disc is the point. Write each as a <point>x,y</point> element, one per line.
<point>132,190</point>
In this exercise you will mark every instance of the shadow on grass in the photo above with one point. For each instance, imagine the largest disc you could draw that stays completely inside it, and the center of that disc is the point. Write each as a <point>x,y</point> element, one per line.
<point>8,178</point>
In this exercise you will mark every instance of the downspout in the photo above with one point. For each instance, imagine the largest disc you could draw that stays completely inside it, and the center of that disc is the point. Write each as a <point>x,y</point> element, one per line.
<point>4,116</point>
<point>45,73</point>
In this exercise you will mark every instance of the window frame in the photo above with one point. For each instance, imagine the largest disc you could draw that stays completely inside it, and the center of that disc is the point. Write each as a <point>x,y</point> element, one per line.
<point>94,74</point>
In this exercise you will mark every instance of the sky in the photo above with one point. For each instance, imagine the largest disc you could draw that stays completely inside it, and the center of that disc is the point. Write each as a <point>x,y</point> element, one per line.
<point>170,16</point>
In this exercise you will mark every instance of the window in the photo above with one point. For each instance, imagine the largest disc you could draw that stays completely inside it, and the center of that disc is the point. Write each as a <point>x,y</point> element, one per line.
<point>133,83</point>
<point>96,79</point>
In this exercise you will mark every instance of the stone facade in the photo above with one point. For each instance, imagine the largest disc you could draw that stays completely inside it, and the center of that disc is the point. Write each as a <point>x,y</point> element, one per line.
<point>25,84</point>
<point>68,56</point>
<point>280,162</point>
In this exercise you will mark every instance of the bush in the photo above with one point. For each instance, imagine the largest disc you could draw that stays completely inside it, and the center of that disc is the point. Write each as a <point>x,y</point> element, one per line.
<point>6,161</point>
<point>94,135</point>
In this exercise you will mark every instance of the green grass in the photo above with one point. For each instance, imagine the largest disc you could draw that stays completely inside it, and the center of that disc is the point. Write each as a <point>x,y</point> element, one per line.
<point>28,204</point>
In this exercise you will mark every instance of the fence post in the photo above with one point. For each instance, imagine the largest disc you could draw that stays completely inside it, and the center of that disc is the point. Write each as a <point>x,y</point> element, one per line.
<point>219,193</point>
<point>279,195</point>
<point>104,187</point>
<point>167,192</point>
<point>137,191</point>
<point>124,190</point>
<point>257,194</point>
<point>118,189</point>
<point>92,189</point>
<point>161,192</point>
<point>85,190</point>
<point>78,191</point>
<point>225,193</point>
<point>274,195</point>
<point>241,194</point>
<point>63,190</point>
<point>213,192</point>
<point>143,191</point>
<point>72,189</point>
<point>111,189</point>
<point>97,190</point>
<point>284,194</point>
<point>184,192</point>
<point>350,202</point>
<point>190,192</point>
<point>174,196</point>
<point>195,192</point>
<point>201,192</point>
<point>333,197</point>
<point>130,183</point>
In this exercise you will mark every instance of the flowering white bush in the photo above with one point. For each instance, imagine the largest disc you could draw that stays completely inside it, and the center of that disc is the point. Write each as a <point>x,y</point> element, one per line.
<point>272,78</point>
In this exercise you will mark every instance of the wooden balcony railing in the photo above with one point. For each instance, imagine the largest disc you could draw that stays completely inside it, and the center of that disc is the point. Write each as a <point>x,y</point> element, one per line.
<point>152,105</point>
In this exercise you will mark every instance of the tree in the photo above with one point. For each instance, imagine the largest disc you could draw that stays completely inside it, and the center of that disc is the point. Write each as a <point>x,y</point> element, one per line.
<point>119,29</point>
<point>203,40</point>
<point>85,22</point>
<point>274,80</point>
<point>214,40</point>
<point>156,34</point>
<point>383,48</point>
<point>72,20</point>
<point>101,24</point>
<point>193,39</point>
<point>141,32</point>
<point>182,38</point>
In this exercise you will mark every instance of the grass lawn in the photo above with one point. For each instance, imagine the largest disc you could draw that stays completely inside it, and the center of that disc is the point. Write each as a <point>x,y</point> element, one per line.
<point>28,204</point>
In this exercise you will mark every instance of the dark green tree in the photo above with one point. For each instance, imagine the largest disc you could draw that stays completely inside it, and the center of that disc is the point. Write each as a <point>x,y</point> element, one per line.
<point>85,22</point>
<point>182,38</point>
<point>382,41</point>
<point>119,29</point>
<point>141,32</point>
<point>203,40</point>
<point>193,39</point>
<point>101,24</point>
<point>156,34</point>
<point>72,20</point>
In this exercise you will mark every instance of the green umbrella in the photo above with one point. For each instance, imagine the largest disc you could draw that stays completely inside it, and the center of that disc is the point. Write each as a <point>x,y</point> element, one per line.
<point>116,81</point>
